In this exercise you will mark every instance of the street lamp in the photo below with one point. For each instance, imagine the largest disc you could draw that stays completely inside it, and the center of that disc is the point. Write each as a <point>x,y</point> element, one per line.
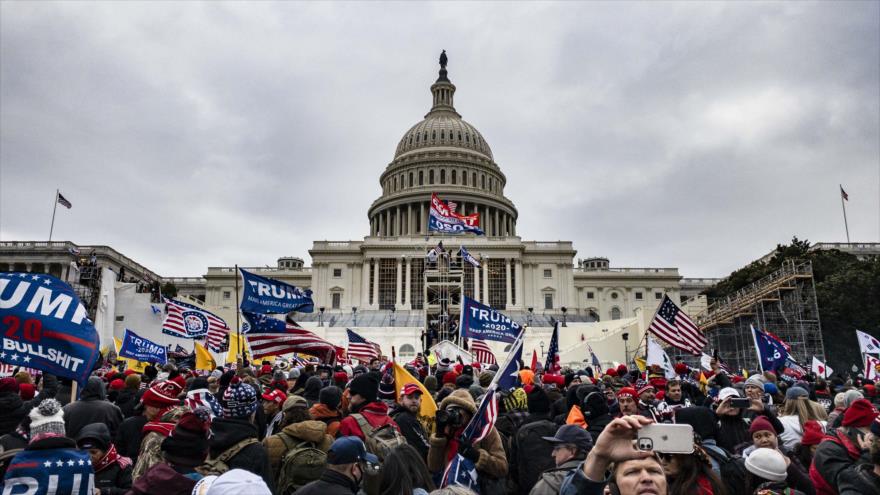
<point>392,317</point>
<point>321,316</point>
<point>529,317</point>
<point>542,348</point>
<point>564,310</point>
<point>625,348</point>
<point>354,316</point>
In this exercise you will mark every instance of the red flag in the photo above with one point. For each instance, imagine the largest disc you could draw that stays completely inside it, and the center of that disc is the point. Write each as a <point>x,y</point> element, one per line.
<point>534,360</point>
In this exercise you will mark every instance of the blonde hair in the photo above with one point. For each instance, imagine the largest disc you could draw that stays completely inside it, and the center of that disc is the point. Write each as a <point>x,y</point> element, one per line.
<point>804,409</point>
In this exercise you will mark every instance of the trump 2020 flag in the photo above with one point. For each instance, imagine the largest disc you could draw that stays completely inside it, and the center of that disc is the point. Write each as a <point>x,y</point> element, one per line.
<point>50,472</point>
<point>266,295</point>
<point>140,349</point>
<point>468,257</point>
<point>443,219</point>
<point>820,368</point>
<point>771,353</point>
<point>46,327</point>
<point>867,343</point>
<point>479,321</point>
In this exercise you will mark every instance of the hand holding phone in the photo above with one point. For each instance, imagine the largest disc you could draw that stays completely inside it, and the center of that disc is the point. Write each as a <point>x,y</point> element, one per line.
<point>666,438</point>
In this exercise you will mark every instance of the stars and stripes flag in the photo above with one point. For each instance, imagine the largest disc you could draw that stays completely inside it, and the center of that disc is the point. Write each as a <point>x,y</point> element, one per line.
<point>843,194</point>
<point>190,322</point>
<point>361,348</point>
<point>595,359</point>
<point>67,204</point>
<point>270,336</point>
<point>551,365</point>
<point>673,326</point>
<point>481,352</point>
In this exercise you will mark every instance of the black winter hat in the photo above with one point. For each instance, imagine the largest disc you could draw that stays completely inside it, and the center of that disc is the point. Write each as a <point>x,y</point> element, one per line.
<point>539,403</point>
<point>366,385</point>
<point>702,419</point>
<point>594,404</point>
<point>464,381</point>
<point>331,397</point>
<point>187,445</point>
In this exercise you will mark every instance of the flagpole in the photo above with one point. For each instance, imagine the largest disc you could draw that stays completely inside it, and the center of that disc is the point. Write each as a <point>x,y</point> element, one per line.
<point>237,317</point>
<point>843,206</point>
<point>54,208</point>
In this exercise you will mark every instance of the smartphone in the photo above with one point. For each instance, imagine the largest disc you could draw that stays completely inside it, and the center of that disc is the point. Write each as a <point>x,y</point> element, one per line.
<point>740,402</point>
<point>666,438</point>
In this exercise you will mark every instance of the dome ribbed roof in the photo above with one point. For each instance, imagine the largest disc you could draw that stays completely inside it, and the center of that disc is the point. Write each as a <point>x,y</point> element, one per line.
<point>443,130</point>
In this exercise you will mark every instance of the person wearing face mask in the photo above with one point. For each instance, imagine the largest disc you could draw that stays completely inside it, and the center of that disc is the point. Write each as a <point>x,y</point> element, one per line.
<point>347,461</point>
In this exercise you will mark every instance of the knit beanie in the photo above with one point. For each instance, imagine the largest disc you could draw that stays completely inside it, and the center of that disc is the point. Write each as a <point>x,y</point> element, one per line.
<point>761,423</point>
<point>240,400</point>
<point>366,385</point>
<point>486,378</point>
<point>611,372</point>
<point>47,419</point>
<point>387,390</point>
<point>539,403</point>
<point>162,394</point>
<point>431,383</point>
<point>860,414</point>
<point>756,381</point>
<point>767,464</point>
<point>702,419</point>
<point>340,378</point>
<point>464,381</point>
<point>517,400</point>
<point>293,374</point>
<point>232,482</point>
<point>187,445</point>
<point>813,433</point>
<point>449,377</point>
<point>203,397</point>
<point>27,391</point>
<point>95,435</point>
<point>9,385</point>
<point>117,384</point>
<point>796,392</point>
<point>330,397</point>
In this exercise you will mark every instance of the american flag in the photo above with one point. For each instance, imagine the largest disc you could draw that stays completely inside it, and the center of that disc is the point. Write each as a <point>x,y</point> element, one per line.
<point>273,337</point>
<point>484,420</point>
<point>482,353</point>
<point>65,203</point>
<point>361,348</point>
<point>672,325</point>
<point>190,322</point>
<point>552,363</point>
<point>595,359</point>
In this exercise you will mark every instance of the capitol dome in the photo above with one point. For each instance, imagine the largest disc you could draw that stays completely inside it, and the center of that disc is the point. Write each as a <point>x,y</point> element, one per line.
<point>445,155</point>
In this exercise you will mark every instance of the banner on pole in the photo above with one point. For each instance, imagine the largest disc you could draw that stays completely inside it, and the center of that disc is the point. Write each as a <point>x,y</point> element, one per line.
<point>479,321</point>
<point>268,296</point>
<point>141,349</point>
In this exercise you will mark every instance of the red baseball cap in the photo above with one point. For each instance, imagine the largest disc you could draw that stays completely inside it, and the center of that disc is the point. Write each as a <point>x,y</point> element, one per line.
<point>275,396</point>
<point>410,388</point>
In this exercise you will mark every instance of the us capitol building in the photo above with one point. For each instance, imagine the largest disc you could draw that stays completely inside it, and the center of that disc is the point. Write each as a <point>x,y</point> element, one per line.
<point>385,285</point>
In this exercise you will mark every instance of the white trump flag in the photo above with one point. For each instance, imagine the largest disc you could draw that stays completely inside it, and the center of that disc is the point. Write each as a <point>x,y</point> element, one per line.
<point>867,343</point>
<point>656,355</point>
<point>821,369</point>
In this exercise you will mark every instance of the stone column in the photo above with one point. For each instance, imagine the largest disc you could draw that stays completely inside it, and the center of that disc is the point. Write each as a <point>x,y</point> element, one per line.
<point>365,285</point>
<point>407,304</point>
<point>409,219</point>
<point>485,292</point>
<point>477,283</point>
<point>520,284</point>
<point>399,296</point>
<point>422,220</point>
<point>497,224</point>
<point>509,296</point>
<point>376,262</point>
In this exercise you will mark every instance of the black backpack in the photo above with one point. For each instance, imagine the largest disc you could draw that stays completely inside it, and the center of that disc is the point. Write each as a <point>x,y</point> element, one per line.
<point>533,453</point>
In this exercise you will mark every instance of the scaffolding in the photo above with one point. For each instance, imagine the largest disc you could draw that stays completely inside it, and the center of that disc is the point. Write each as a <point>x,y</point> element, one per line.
<point>444,280</point>
<point>783,302</point>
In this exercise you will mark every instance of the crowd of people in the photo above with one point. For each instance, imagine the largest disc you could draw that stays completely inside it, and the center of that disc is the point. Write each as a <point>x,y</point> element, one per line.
<point>319,429</point>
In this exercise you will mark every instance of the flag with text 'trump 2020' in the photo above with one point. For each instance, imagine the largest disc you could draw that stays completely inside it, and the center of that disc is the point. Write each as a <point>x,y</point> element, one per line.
<point>140,349</point>
<point>479,321</point>
<point>45,326</point>
<point>268,296</point>
<point>442,219</point>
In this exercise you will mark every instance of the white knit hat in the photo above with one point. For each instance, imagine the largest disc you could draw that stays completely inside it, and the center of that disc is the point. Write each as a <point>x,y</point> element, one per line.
<point>727,392</point>
<point>48,417</point>
<point>232,482</point>
<point>767,463</point>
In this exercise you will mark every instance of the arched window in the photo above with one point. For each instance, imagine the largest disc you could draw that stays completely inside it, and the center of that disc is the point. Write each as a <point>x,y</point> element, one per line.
<point>483,180</point>
<point>417,138</point>
<point>407,350</point>
<point>459,135</point>
<point>615,313</point>
<point>434,135</point>
<point>474,177</point>
<point>431,176</point>
<point>454,176</point>
<point>426,135</point>
<point>443,176</point>
<point>410,139</point>
<point>442,135</point>
<point>395,184</point>
<point>410,179</point>
<point>467,137</point>
<point>464,177</point>
<point>421,178</point>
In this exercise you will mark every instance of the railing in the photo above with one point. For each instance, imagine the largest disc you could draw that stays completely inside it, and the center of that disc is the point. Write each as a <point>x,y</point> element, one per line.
<point>257,269</point>
<point>183,280</point>
<point>670,271</point>
<point>700,281</point>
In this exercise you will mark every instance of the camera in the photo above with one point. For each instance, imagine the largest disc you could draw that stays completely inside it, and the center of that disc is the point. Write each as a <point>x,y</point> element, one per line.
<point>451,417</point>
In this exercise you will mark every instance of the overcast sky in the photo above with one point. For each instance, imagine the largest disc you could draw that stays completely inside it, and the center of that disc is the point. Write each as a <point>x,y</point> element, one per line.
<point>187,135</point>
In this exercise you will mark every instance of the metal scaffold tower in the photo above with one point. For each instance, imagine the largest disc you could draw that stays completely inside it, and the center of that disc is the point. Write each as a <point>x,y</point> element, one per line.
<point>783,303</point>
<point>444,280</point>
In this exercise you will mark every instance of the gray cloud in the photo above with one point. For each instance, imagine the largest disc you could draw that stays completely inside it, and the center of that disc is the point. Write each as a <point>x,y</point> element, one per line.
<point>188,135</point>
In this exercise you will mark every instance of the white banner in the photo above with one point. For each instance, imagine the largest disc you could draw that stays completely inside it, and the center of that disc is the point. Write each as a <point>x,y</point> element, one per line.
<point>871,364</point>
<point>821,369</point>
<point>867,343</point>
<point>656,355</point>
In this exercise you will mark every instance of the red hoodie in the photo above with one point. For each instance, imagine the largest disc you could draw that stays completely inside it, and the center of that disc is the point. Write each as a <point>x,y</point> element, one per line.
<point>376,414</point>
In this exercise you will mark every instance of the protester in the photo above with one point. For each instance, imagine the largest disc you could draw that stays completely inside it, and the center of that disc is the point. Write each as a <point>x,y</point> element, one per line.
<point>530,454</point>
<point>161,405</point>
<point>626,400</point>
<point>843,447</point>
<point>691,473</point>
<point>112,471</point>
<point>272,402</point>
<point>404,472</point>
<point>864,478</point>
<point>797,410</point>
<point>733,433</point>
<point>406,413</point>
<point>12,408</point>
<point>347,461</point>
<point>571,443</point>
<point>184,448</point>
<point>766,473</point>
<point>365,407</point>
<point>299,432</point>
<point>327,409</point>
<point>92,407</point>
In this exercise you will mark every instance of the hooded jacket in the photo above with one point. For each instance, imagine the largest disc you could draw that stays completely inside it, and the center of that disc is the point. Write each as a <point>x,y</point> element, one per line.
<point>114,479</point>
<point>837,452</point>
<point>228,432</point>
<point>530,454</point>
<point>92,407</point>
<point>12,411</point>
<point>376,414</point>
<point>492,459</point>
<point>328,416</point>
<point>313,390</point>
<point>412,429</point>
<point>305,431</point>
<point>551,479</point>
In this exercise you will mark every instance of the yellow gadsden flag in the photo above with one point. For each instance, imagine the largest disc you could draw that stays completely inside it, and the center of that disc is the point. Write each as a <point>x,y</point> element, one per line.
<point>429,407</point>
<point>204,359</point>
<point>641,364</point>
<point>232,355</point>
<point>131,364</point>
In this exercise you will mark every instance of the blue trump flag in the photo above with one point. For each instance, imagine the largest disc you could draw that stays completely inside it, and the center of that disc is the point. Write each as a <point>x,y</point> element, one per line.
<point>771,353</point>
<point>266,295</point>
<point>442,219</point>
<point>468,257</point>
<point>50,472</point>
<point>45,326</point>
<point>141,349</point>
<point>479,321</point>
